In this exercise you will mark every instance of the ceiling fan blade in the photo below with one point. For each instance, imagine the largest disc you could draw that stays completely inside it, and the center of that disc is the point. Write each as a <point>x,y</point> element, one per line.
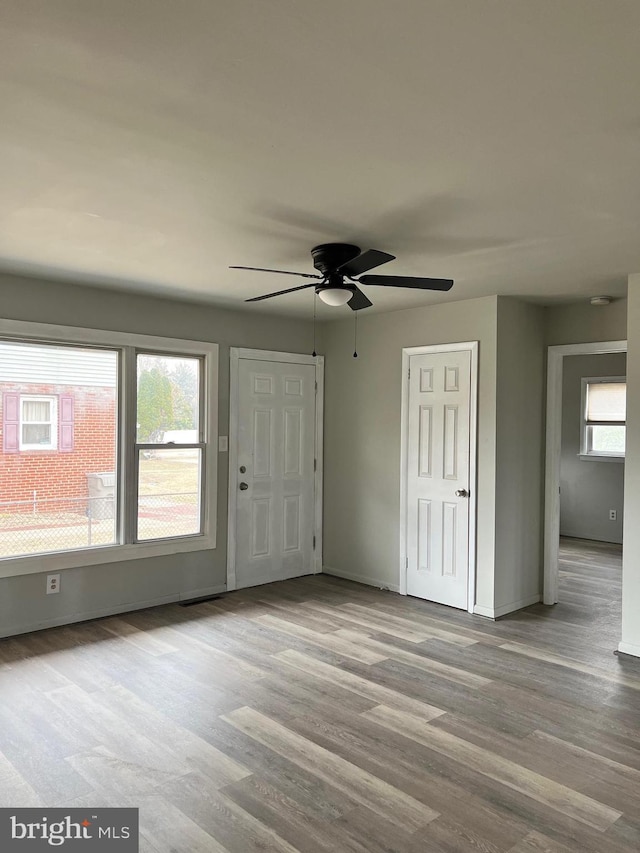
<point>365,261</point>
<point>280,272</point>
<point>359,301</point>
<point>408,281</point>
<point>279,293</point>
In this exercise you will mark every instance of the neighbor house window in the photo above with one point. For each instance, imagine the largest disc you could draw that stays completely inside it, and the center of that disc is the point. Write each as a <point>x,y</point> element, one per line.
<point>129,426</point>
<point>38,423</point>
<point>604,407</point>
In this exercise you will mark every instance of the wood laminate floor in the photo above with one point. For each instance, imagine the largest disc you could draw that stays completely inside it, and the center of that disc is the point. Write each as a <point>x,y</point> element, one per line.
<point>319,715</point>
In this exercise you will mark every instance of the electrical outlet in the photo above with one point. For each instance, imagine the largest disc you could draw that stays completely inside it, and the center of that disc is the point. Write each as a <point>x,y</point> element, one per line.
<point>53,584</point>
<point>613,515</point>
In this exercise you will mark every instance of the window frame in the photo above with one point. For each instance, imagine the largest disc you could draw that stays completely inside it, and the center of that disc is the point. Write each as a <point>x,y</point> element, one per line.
<point>128,344</point>
<point>586,453</point>
<point>52,399</point>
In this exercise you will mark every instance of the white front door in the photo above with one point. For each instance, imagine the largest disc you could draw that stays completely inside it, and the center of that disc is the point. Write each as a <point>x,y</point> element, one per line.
<point>275,488</point>
<point>438,448</point>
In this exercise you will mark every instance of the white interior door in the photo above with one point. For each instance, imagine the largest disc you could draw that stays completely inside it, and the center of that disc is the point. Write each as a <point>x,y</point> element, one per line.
<point>438,484</point>
<point>275,488</point>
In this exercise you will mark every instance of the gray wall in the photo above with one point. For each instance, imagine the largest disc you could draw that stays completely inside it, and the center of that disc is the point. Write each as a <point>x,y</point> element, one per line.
<point>588,489</point>
<point>362,443</point>
<point>362,436</point>
<point>117,586</point>
<point>581,322</point>
<point>519,457</point>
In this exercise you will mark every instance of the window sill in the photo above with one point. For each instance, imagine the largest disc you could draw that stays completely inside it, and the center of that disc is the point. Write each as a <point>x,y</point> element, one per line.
<point>593,457</point>
<point>39,563</point>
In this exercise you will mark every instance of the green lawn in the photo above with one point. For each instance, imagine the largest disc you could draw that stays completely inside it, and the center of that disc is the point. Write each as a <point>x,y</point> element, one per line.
<point>163,475</point>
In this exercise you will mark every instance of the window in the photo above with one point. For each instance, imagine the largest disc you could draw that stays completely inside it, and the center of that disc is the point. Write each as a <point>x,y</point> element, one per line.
<point>604,407</point>
<point>129,423</point>
<point>169,446</point>
<point>38,423</point>
<point>63,499</point>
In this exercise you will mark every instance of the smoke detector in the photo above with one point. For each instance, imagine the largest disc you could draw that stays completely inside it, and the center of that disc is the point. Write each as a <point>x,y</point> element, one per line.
<point>600,300</point>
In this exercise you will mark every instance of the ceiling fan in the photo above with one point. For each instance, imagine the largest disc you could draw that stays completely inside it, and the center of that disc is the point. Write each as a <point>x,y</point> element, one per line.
<point>338,264</point>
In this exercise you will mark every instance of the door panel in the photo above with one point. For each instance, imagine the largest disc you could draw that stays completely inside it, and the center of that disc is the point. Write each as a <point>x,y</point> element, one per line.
<point>276,446</point>
<point>438,453</point>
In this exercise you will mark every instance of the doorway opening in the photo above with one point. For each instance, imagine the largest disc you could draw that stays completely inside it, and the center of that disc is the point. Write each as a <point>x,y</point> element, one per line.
<point>574,489</point>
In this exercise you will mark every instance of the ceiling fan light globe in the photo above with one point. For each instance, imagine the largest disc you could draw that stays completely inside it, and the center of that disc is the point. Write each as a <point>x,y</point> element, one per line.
<point>335,295</point>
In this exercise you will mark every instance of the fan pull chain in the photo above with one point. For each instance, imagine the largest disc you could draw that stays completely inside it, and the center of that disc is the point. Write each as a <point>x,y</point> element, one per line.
<point>315,297</point>
<point>355,335</point>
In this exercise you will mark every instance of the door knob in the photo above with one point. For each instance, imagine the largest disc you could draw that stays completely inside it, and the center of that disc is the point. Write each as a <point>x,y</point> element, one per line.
<point>243,487</point>
<point>462,493</point>
<point>243,469</point>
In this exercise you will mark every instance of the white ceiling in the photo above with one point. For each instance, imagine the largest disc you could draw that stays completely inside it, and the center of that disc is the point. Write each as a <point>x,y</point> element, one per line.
<point>152,143</point>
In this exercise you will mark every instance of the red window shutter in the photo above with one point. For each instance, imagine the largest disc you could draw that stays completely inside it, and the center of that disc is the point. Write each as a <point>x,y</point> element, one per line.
<point>10,422</point>
<point>65,423</point>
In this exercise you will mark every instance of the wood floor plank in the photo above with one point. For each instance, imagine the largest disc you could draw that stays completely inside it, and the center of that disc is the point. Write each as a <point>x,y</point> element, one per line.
<point>361,686</point>
<point>535,842</point>
<point>366,830</point>
<point>128,743</point>
<point>206,648</point>
<point>401,627</point>
<point>300,826</point>
<point>311,793</point>
<point>114,776</point>
<point>14,788</point>
<point>418,661</point>
<point>375,626</point>
<point>294,612</point>
<point>191,751</point>
<point>35,757</point>
<point>223,818</point>
<point>570,663</point>
<point>450,835</point>
<point>457,628</point>
<point>506,772</point>
<point>563,747</point>
<point>285,698</point>
<point>167,828</point>
<point>143,640</point>
<point>329,641</point>
<point>398,808</point>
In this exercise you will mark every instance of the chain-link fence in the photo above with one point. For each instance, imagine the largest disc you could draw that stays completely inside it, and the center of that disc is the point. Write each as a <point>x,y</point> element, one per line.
<point>42,525</point>
<point>55,524</point>
<point>174,514</point>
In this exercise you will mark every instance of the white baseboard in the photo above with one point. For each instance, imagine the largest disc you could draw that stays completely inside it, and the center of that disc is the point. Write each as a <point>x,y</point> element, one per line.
<point>629,649</point>
<point>496,612</point>
<point>366,579</point>
<point>112,611</point>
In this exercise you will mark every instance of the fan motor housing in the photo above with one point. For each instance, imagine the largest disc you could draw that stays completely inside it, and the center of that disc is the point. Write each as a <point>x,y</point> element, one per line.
<point>329,256</point>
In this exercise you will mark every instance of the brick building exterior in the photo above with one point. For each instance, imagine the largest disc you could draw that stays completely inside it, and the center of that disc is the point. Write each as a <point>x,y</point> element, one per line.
<point>54,433</point>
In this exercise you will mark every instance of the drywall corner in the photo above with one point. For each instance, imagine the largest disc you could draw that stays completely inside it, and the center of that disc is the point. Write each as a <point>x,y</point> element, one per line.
<point>519,453</point>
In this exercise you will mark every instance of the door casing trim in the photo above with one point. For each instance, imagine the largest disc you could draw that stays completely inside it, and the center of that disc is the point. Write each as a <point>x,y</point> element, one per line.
<point>407,352</point>
<point>235,354</point>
